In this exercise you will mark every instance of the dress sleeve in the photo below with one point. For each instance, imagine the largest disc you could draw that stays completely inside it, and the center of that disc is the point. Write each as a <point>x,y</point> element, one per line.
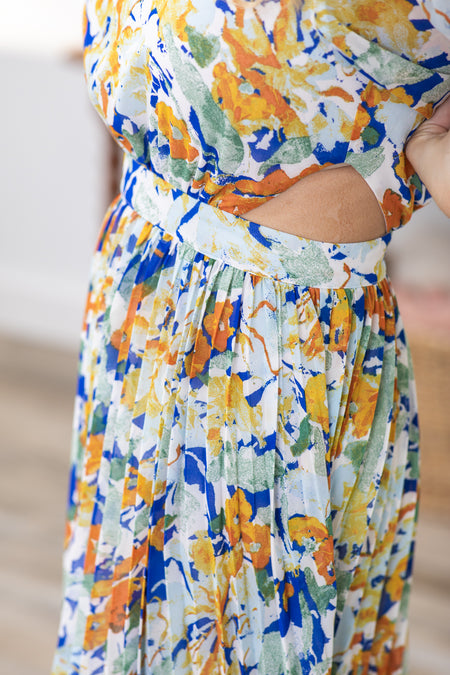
<point>439,16</point>
<point>431,20</point>
<point>417,31</point>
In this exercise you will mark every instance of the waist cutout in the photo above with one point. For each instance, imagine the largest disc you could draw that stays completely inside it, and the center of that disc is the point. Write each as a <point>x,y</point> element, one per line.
<point>249,246</point>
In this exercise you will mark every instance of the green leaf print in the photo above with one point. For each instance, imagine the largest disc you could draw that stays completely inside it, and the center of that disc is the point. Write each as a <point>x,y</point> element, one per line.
<point>343,581</point>
<point>366,163</point>
<point>272,655</point>
<point>404,602</point>
<point>223,361</point>
<point>186,504</point>
<point>413,459</point>
<point>180,168</point>
<point>215,469</point>
<point>265,585</point>
<point>320,594</point>
<point>378,431</point>
<point>294,665</point>
<point>415,180</point>
<point>390,69</point>
<point>319,453</point>
<point>118,468</point>
<point>329,524</point>
<point>88,582</point>
<point>124,662</point>
<point>307,624</point>
<point>168,520</point>
<point>204,378</point>
<point>204,49</point>
<point>164,668</point>
<point>279,468</point>
<point>215,125</point>
<point>403,378</point>
<point>137,141</point>
<point>256,473</point>
<point>370,135</point>
<point>98,421</point>
<point>355,452</point>
<point>304,434</point>
<point>310,265</point>
<point>292,151</point>
<point>165,442</point>
<point>218,523</point>
<point>142,518</point>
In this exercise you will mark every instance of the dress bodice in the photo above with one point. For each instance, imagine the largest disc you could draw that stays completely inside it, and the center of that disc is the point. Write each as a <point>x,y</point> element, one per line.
<point>233,102</point>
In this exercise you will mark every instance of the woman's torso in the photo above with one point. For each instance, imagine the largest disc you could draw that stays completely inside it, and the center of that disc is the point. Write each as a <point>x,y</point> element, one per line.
<point>234,104</point>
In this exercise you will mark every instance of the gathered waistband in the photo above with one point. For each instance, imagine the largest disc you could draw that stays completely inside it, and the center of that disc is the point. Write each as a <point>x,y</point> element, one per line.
<point>247,245</point>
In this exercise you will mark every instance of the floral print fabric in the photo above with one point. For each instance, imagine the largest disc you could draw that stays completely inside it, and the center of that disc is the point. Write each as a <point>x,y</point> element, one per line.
<point>233,102</point>
<point>244,469</point>
<point>245,464</point>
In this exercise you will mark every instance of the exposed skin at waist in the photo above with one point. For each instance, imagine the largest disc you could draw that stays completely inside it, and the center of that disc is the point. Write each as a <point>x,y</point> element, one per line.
<point>334,205</point>
<point>337,205</point>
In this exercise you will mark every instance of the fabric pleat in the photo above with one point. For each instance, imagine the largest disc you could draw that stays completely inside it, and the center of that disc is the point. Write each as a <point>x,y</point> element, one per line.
<point>244,468</point>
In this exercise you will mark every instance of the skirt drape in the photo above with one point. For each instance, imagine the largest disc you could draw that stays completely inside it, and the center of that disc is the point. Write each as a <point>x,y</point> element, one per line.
<point>245,460</point>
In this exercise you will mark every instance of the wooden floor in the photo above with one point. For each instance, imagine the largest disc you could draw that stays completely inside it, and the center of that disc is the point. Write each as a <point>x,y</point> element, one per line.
<point>36,393</point>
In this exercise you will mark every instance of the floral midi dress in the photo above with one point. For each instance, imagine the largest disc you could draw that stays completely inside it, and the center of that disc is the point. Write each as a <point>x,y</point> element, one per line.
<point>243,488</point>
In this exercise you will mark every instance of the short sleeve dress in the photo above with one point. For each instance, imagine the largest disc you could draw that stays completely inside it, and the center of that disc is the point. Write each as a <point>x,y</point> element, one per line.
<point>245,460</point>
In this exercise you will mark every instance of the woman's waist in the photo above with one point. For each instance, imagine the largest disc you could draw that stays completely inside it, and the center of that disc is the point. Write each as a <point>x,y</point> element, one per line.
<point>246,244</point>
<point>332,204</point>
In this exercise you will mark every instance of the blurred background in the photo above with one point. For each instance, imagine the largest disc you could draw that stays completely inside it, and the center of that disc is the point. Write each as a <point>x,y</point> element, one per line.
<point>57,174</point>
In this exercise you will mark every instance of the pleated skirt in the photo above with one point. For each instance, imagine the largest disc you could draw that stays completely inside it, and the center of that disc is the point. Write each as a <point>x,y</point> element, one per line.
<point>244,468</point>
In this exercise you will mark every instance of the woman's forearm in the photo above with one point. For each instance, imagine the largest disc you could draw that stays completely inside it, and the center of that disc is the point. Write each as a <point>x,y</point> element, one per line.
<point>428,150</point>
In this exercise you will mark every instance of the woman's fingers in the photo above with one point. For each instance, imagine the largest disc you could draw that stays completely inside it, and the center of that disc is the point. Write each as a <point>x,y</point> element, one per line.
<point>428,150</point>
<point>441,115</point>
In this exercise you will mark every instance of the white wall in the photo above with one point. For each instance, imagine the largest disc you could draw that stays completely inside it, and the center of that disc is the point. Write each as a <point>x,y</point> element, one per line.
<point>419,253</point>
<point>40,26</point>
<point>52,196</point>
<point>53,181</point>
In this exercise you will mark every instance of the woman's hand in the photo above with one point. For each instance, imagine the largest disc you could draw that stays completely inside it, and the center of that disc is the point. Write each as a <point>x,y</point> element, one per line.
<point>428,150</point>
